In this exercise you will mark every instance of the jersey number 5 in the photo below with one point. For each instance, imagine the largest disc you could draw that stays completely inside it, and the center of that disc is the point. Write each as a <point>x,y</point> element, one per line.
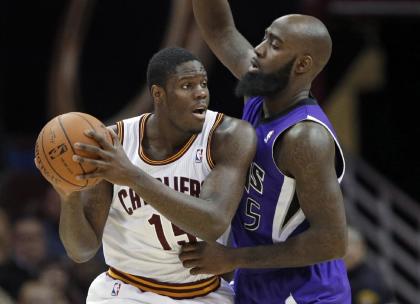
<point>251,212</point>
<point>157,223</point>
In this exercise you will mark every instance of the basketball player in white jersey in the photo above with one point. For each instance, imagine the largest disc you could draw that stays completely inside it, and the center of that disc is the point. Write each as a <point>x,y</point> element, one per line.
<point>171,177</point>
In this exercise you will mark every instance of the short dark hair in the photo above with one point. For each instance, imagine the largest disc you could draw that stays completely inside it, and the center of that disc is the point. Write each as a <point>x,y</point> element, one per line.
<point>164,63</point>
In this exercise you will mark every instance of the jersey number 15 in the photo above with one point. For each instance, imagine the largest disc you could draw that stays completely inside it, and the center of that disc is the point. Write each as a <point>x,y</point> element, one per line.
<point>157,223</point>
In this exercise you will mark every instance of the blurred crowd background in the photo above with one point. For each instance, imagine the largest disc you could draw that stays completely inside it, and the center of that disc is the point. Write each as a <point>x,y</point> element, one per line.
<point>91,56</point>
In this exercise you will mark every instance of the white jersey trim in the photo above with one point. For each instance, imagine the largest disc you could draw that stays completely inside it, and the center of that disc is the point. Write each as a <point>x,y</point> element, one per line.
<point>336,142</point>
<point>287,192</point>
<point>283,203</point>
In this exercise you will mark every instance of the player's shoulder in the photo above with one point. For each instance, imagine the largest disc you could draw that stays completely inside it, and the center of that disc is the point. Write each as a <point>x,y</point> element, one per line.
<point>234,138</point>
<point>308,133</point>
<point>234,127</point>
<point>233,141</point>
<point>116,126</point>
<point>304,143</point>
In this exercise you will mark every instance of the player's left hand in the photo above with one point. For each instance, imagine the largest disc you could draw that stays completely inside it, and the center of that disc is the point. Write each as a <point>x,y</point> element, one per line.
<point>110,159</point>
<point>207,258</point>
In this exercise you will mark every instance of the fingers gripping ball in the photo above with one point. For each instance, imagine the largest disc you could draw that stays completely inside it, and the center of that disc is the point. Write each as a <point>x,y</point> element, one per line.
<point>54,149</point>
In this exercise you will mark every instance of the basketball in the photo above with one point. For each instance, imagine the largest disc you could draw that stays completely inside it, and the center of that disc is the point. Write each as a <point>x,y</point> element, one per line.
<point>54,149</point>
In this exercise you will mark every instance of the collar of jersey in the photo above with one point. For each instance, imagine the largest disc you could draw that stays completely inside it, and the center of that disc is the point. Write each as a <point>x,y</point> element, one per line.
<point>168,160</point>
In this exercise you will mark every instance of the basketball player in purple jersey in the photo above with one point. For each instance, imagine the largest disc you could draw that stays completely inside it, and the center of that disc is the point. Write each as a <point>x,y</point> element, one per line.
<point>289,231</point>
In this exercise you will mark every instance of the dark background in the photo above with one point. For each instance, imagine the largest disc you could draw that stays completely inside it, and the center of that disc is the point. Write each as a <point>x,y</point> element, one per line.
<point>123,35</point>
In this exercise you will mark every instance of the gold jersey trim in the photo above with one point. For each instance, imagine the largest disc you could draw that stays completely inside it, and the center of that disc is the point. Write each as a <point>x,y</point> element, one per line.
<point>172,290</point>
<point>218,121</point>
<point>120,131</point>
<point>168,160</point>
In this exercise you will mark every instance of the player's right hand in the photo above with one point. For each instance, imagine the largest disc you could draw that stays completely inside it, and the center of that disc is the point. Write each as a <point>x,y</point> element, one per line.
<point>207,258</point>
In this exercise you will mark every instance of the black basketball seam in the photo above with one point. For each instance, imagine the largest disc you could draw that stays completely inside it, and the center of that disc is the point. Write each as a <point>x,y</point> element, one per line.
<point>71,147</point>
<point>81,116</point>
<point>45,154</point>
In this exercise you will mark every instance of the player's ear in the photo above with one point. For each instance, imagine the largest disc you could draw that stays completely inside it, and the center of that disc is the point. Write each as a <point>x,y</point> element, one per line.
<point>157,93</point>
<point>304,64</point>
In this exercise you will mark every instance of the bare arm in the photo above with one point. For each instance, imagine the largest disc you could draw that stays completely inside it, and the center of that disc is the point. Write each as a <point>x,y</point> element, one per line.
<point>217,26</point>
<point>82,220</point>
<point>207,216</point>
<point>306,153</point>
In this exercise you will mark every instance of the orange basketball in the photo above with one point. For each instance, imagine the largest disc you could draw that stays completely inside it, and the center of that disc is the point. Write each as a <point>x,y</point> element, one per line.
<point>54,149</point>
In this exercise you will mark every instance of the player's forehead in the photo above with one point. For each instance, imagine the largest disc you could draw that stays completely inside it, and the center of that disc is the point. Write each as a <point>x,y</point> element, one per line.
<point>285,28</point>
<point>190,69</point>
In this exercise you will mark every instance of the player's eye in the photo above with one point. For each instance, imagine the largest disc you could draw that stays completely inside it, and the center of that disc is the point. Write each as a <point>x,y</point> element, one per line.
<point>275,46</point>
<point>186,86</point>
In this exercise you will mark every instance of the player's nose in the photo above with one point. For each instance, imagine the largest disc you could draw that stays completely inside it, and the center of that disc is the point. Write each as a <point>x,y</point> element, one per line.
<point>200,94</point>
<point>259,50</point>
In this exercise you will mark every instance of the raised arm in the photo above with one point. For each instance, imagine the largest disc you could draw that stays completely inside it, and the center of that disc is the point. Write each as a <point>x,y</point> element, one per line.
<point>217,26</point>
<point>207,216</point>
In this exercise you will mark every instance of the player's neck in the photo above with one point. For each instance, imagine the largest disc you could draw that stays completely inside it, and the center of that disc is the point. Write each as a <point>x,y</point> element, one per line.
<point>279,103</point>
<point>163,136</point>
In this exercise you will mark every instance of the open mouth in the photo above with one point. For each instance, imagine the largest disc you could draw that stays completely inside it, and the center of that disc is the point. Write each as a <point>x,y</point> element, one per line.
<point>200,112</point>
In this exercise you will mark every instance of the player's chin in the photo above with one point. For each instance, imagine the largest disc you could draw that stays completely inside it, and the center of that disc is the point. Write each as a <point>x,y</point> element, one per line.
<point>196,124</point>
<point>196,127</point>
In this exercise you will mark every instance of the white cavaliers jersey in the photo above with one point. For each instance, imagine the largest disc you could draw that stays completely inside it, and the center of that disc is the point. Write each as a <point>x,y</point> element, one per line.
<point>138,239</point>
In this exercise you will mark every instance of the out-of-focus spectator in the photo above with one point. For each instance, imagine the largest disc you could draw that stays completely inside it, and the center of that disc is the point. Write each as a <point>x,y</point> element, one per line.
<point>21,192</point>
<point>11,275</point>
<point>50,214</point>
<point>5,237</point>
<point>56,275</point>
<point>367,284</point>
<point>36,292</point>
<point>85,273</point>
<point>5,252</point>
<point>5,298</point>
<point>30,244</point>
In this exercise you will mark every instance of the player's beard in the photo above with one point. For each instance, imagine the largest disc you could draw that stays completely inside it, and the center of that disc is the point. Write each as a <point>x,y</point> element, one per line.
<point>266,85</point>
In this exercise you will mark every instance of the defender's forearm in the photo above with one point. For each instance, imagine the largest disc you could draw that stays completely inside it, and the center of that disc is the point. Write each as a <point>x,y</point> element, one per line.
<point>218,29</point>
<point>213,17</point>
<point>305,249</point>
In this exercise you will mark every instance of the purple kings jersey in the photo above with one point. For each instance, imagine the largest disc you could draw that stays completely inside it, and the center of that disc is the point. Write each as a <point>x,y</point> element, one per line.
<point>269,213</point>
